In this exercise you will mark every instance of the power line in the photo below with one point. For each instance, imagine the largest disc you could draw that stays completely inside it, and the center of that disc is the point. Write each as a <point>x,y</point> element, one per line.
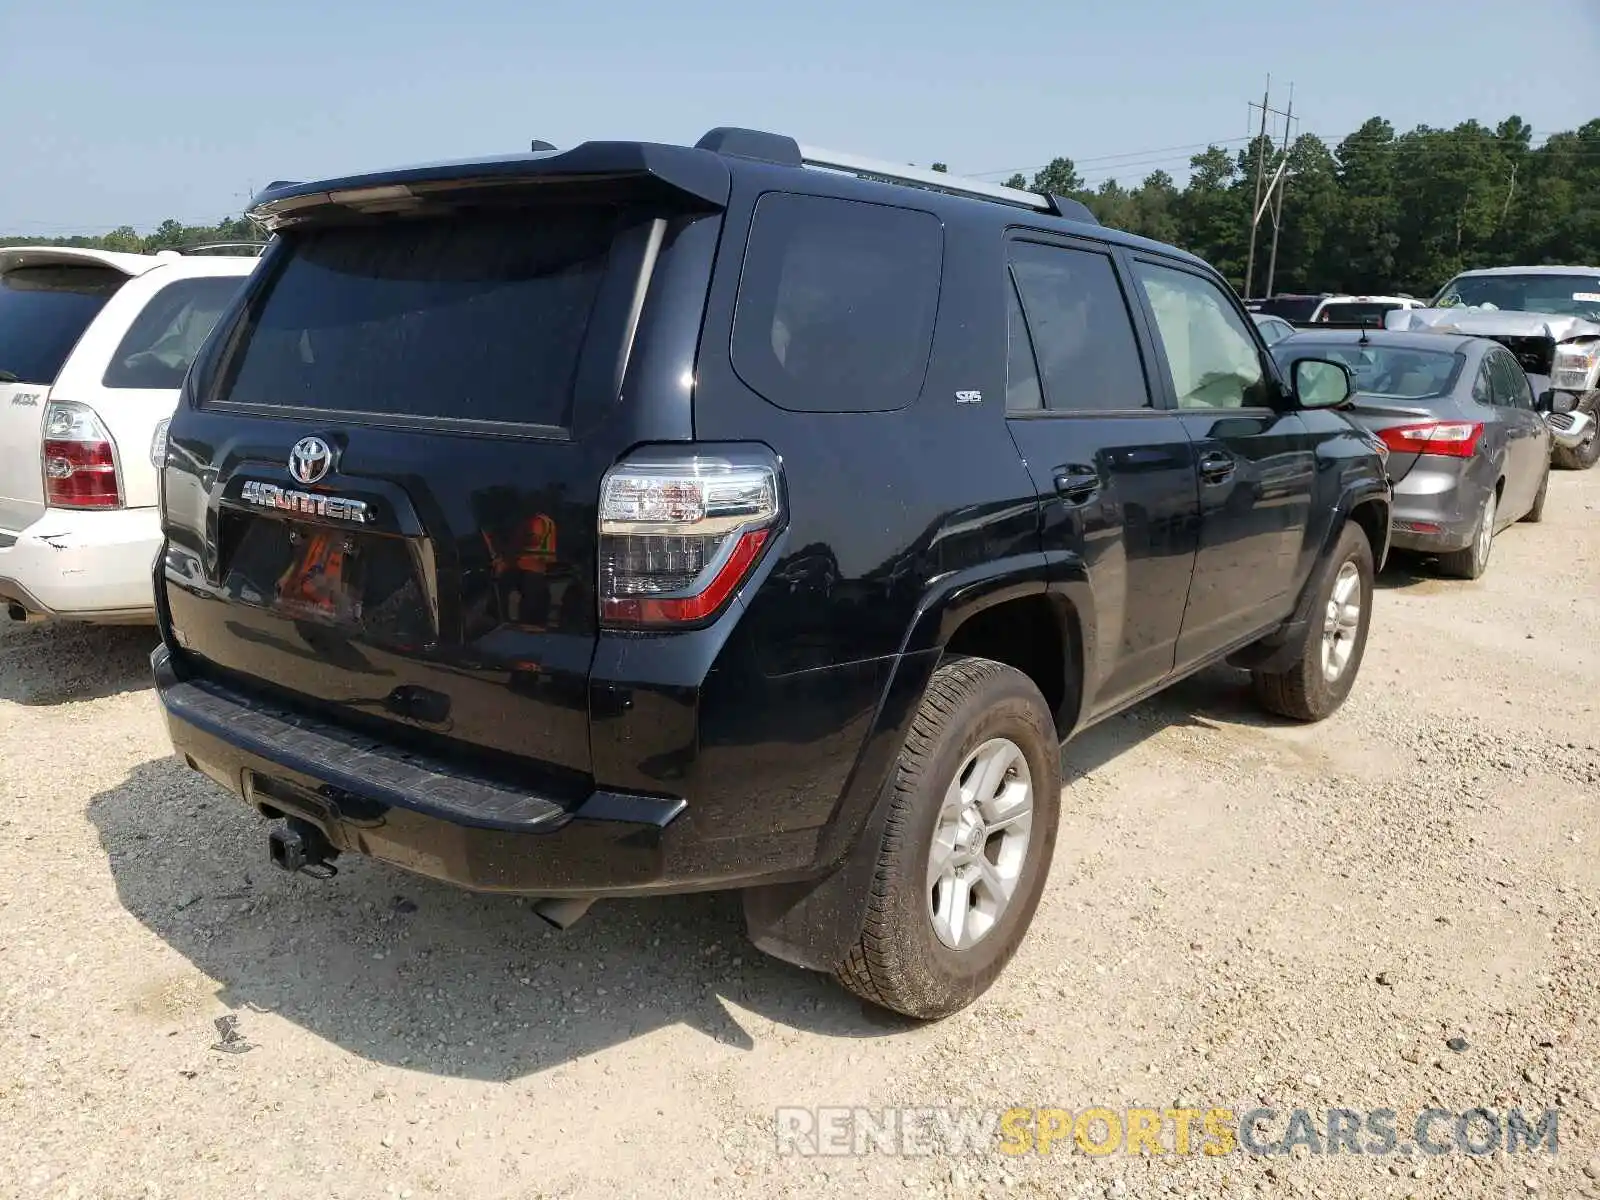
<point>1108,157</point>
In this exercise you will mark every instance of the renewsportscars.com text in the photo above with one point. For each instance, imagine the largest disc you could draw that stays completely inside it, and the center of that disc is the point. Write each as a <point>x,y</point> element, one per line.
<point>1211,1132</point>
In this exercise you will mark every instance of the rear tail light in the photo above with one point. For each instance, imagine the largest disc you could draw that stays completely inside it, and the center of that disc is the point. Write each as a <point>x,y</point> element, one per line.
<point>680,532</point>
<point>1454,439</point>
<point>158,445</point>
<point>80,459</point>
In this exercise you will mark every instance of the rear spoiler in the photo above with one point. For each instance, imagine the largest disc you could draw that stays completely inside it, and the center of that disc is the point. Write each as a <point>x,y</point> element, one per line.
<point>697,175</point>
<point>12,257</point>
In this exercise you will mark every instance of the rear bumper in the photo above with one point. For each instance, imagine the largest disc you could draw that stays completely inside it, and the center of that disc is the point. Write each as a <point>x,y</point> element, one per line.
<point>424,816</point>
<point>86,566</point>
<point>1436,508</point>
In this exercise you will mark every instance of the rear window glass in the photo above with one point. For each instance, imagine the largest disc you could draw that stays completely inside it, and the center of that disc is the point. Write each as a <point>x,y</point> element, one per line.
<point>164,338</point>
<point>1290,308</point>
<point>1350,314</point>
<point>43,312</point>
<point>837,303</point>
<point>473,318</point>
<point>1392,371</point>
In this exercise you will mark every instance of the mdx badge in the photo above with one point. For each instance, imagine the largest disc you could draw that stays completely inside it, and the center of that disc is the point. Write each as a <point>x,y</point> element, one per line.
<point>311,504</point>
<point>310,459</point>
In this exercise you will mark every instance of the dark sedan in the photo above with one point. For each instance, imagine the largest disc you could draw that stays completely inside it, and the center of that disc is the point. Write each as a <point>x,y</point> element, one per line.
<point>1469,453</point>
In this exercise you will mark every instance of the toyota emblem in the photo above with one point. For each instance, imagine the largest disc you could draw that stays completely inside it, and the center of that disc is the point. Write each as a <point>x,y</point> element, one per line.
<point>310,459</point>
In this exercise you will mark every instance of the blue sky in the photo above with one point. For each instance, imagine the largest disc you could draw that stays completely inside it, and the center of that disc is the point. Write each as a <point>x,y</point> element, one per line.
<point>130,111</point>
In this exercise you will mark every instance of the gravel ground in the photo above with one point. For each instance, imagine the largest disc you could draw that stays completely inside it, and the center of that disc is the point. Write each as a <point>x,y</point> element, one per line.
<point>1241,913</point>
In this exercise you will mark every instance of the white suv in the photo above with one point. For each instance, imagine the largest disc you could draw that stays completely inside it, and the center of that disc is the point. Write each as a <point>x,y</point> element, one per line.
<point>93,348</point>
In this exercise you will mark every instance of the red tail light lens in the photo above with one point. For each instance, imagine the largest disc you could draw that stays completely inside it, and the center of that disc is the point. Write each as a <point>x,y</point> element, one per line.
<point>679,534</point>
<point>1454,439</point>
<point>80,459</point>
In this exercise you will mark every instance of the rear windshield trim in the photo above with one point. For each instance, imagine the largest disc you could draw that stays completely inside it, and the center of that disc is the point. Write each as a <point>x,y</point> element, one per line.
<point>375,420</point>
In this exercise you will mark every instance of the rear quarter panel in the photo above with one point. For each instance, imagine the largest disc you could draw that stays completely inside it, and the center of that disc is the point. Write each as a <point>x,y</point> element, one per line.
<point>882,507</point>
<point>1349,472</point>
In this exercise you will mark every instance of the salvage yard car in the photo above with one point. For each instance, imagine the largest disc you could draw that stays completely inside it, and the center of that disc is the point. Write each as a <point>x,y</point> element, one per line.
<point>93,346</point>
<point>1469,453</point>
<point>641,518</point>
<point>1549,317</point>
<point>1327,309</point>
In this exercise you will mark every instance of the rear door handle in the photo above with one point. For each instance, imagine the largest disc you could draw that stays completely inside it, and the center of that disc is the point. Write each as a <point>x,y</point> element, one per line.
<point>1216,467</point>
<point>1076,484</point>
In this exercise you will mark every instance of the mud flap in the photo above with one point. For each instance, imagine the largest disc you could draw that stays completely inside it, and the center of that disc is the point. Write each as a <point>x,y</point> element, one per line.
<point>1276,652</point>
<point>814,922</point>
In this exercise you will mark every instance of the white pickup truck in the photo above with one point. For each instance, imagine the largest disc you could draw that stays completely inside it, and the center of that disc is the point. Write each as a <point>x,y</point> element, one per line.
<point>1549,317</point>
<point>93,348</point>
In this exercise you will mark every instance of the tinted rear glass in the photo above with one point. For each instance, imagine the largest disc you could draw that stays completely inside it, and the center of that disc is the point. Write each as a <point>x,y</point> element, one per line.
<point>474,318</point>
<point>1290,308</point>
<point>1082,333</point>
<point>1367,314</point>
<point>1396,372</point>
<point>162,341</point>
<point>836,303</point>
<point>43,312</point>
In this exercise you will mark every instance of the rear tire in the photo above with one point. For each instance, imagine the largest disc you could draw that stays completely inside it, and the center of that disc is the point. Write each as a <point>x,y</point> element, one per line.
<point>1536,514</point>
<point>1317,684</point>
<point>1473,560</point>
<point>1584,455</point>
<point>902,959</point>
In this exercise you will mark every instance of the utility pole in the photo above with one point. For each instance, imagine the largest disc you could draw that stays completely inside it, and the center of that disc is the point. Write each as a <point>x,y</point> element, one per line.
<point>1511,190</point>
<point>1259,209</point>
<point>1277,210</point>
<point>1261,170</point>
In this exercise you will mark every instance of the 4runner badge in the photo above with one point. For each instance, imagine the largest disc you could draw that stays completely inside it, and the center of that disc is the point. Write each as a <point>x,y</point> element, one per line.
<point>338,508</point>
<point>310,459</point>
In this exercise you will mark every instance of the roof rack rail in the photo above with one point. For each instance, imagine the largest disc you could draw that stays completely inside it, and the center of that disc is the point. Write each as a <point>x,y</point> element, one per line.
<point>785,151</point>
<point>854,164</point>
<point>258,248</point>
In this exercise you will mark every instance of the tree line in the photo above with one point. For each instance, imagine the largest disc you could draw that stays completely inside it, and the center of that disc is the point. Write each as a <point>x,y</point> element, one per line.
<point>1378,212</point>
<point>169,235</point>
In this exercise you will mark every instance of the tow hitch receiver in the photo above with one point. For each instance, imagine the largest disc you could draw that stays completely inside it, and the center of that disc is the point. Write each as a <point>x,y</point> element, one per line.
<point>300,846</point>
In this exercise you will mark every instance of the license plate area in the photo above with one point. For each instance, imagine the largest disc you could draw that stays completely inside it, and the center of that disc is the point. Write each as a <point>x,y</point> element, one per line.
<point>363,583</point>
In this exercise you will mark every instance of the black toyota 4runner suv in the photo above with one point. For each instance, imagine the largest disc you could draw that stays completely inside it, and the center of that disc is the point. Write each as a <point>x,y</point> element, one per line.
<point>639,519</point>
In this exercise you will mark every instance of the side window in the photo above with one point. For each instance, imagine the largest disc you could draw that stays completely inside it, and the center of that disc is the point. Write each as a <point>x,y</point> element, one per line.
<point>1511,382</point>
<point>1482,388</point>
<point>836,303</point>
<point>1212,357</point>
<point>1522,386</point>
<point>1022,371</point>
<point>1082,333</point>
<point>164,338</point>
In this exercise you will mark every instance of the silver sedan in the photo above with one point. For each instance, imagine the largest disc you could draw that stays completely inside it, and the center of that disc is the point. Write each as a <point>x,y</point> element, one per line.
<point>1469,453</point>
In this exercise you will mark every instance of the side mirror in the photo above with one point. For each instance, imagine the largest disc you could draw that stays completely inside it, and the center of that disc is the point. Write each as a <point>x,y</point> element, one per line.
<point>1320,383</point>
